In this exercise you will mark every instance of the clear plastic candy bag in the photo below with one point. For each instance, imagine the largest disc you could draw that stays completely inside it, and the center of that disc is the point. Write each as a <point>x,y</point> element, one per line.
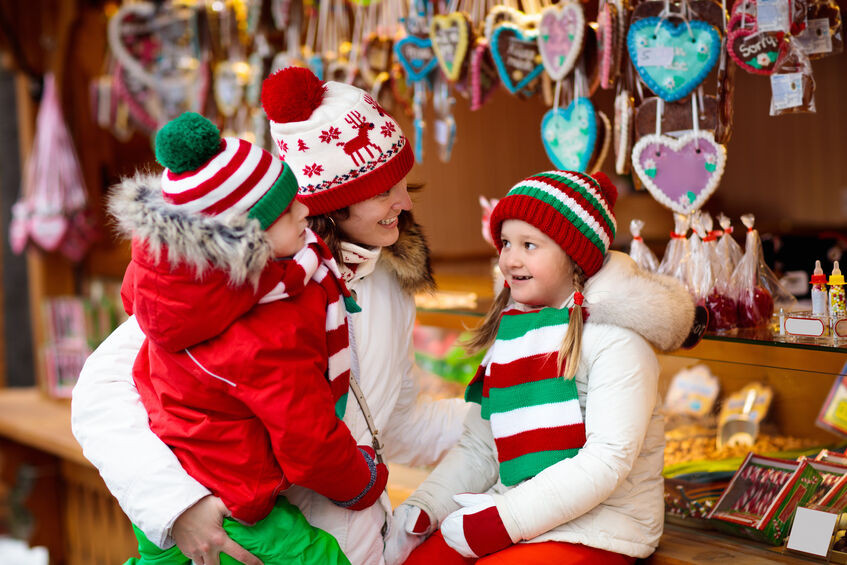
<point>638,250</point>
<point>792,84</point>
<point>701,279</point>
<point>675,261</point>
<point>728,250</point>
<point>720,301</point>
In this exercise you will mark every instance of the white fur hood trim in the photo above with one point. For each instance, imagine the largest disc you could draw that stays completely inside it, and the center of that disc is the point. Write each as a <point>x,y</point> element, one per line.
<point>232,243</point>
<point>657,307</point>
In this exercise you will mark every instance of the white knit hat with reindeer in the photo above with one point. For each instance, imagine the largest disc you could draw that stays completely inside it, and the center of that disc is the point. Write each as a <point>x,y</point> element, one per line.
<point>343,147</point>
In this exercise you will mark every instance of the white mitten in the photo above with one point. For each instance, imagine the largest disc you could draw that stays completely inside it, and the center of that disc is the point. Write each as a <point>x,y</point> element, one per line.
<point>476,529</point>
<point>410,526</point>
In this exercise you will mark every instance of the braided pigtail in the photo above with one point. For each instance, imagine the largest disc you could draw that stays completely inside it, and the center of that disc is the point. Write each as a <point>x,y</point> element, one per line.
<point>483,336</point>
<point>572,342</point>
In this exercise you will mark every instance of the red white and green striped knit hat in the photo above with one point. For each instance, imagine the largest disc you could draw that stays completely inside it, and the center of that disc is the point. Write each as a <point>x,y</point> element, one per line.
<point>573,208</point>
<point>210,175</point>
<point>343,146</point>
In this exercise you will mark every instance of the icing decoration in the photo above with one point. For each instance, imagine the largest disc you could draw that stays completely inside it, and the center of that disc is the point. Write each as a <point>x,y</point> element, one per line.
<point>416,56</point>
<point>451,36</point>
<point>483,75</point>
<point>569,135</point>
<point>607,43</point>
<point>680,173</point>
<point>756,52</point>
<point>693,54</point>
<point>624,114</point>
<point>516,56</point>
<point>604,141</point>
<point>560,33</point>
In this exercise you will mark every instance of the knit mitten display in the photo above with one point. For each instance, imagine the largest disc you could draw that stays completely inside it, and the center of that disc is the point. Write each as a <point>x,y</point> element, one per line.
<point>410,526</point>
<point>372,492</point>
<point>476,529</point>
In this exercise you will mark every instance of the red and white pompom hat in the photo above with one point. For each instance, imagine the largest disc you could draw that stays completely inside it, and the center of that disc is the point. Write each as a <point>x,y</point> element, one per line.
<point>343,147</point>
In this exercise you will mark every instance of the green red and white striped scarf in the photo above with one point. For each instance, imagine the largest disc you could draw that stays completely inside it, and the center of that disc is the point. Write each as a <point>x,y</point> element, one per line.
<point>315,263</point>
<point>535,416</point>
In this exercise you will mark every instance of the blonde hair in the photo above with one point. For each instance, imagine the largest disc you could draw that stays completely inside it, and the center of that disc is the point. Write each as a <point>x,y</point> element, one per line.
<point>569,351</point>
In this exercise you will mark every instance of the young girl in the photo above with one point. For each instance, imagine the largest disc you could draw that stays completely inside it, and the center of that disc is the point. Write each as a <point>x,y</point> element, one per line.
<point>245,368</point>
<point>565,442</point>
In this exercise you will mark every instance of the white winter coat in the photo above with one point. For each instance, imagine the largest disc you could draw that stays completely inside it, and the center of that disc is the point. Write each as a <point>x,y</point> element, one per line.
<point>110,423</point>
<point>610,495</point>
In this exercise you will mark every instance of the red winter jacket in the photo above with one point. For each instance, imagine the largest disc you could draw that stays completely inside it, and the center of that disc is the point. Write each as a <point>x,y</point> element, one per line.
<point>238,389</point>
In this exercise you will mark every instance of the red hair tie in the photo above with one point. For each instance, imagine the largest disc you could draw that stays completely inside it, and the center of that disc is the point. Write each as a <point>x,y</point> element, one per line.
<point>578,298</point>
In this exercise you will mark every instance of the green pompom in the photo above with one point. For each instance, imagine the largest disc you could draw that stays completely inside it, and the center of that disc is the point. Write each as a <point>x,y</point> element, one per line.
<point>186,142</point>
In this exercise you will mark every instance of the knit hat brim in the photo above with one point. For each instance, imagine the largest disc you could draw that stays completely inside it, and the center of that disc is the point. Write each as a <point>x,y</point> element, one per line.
<point>276,200</point>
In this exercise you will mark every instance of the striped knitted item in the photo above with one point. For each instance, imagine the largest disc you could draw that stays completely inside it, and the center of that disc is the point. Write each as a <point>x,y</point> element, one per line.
<point>315,263</point>
<point>535,416</point>
<point>210,175</point>
<point>573,209</point>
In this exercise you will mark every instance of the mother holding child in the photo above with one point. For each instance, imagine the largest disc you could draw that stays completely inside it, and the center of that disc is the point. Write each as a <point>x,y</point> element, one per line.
<point>566,468</point>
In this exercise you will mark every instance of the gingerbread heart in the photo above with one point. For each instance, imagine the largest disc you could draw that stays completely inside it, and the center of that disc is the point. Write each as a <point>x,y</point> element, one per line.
<point>676,116</point>
<point>680,173</point>
<point>624,116</point>
<point>506,15</point>
<point>607,43</point>
<point>756,52</point>
<point>451,35</point>
<point>515,53</point>
<point>416,56</point>
<point>569,134</point>
<point>560,34</point>
<point>483,75</point>
<point>604,141</point>
<point>673,59</point>
<point>703,10</point>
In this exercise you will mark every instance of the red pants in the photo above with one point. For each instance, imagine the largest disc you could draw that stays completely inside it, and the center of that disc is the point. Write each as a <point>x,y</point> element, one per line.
<point>436,550</point>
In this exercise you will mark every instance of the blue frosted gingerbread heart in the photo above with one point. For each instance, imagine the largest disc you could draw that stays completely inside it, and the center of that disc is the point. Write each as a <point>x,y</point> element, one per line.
<point>515,54</point>
<point>673,58</point>
<point>416,56</point>
<point>569,135</point>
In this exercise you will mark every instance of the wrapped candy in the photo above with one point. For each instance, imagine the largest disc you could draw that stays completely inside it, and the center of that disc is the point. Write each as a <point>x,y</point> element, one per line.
<point>674,262</point>
<point>638,250</point>
<point>756,285</point>
<point>720,301</point>
<point>700,276</point>
<point>728,249</point>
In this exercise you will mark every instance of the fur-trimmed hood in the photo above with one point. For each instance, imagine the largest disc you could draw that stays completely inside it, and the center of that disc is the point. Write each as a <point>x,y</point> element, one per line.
<point>408,259</point>
<point>231,243</point>
<point>657,307</point>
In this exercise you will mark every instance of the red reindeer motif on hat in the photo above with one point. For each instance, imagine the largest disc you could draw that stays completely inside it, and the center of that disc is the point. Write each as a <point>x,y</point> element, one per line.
<point>361,141</point>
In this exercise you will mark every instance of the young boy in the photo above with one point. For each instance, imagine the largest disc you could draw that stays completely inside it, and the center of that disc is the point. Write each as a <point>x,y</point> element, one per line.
<point>245,368</point>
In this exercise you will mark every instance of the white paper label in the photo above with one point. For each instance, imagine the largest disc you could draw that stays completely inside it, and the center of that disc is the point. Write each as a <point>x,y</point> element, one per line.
<point>772,15</point>
<point>811,531</point>
<point>804,326</point>
<point>815,38</point>
<point>655,56</point>
<point>787,90</point>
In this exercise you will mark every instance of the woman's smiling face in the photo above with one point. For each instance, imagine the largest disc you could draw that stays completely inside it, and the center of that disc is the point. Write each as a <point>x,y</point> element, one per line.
<point>373,222</point>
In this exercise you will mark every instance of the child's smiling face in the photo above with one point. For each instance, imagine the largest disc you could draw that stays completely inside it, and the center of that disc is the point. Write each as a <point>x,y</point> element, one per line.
<point>538,271</point>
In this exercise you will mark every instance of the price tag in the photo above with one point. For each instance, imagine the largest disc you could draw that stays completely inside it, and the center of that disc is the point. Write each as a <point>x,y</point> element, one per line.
<point>815,38</point>
<point>812,531</point>
<point>655,56</point>
<point>772,15</point>
<point>787,90</point>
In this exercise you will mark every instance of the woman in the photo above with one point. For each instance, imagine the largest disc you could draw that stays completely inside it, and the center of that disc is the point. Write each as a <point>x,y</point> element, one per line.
<point>351,160</point>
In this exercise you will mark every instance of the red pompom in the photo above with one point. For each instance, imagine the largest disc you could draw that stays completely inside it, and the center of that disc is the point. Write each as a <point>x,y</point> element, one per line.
<point>292,94</point>
<point>607,187</point>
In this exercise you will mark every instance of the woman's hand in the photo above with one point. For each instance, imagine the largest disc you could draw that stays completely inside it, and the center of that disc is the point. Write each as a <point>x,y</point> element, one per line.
<point>199,534</point>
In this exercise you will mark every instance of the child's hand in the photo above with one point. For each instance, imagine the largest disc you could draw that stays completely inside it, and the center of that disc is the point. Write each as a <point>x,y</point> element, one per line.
<point>410,526</point>
<point>477,529</point>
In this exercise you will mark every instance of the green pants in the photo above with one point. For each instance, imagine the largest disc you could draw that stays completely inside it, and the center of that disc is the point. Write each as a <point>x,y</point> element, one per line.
<point>283,537</point>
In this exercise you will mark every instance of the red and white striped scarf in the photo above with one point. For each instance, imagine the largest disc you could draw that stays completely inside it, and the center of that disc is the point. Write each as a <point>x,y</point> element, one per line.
<point>314,262</point>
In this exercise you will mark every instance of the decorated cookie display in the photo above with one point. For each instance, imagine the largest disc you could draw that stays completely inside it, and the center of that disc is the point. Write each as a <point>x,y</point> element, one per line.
<point>561,29</point>
<point>569,135</point>
<point>754,51</point>
<point>680,173</point>
<point>624,118</point>
<point>451,37</point>
<point>484,79</point>
<point>377,56</point>
<point>823,34</point>
<point>416,56</point>
<point>672,59</point>
<point>515,53</point>
<point>676,116</point>
<point>501,14</point>
<point>603,143</point>
<point>704,10</point>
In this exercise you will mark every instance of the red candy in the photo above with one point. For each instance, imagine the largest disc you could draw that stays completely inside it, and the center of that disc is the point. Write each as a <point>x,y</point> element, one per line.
<point>755,310</point>
<point>723,312</point>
